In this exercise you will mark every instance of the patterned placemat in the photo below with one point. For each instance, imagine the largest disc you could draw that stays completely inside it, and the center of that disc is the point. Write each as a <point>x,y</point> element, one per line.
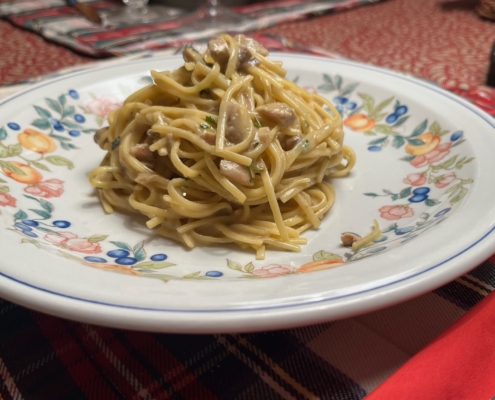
<point>56,21</point>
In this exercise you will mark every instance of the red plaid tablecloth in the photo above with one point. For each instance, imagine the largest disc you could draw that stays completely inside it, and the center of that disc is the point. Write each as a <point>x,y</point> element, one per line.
<point>43,357</point>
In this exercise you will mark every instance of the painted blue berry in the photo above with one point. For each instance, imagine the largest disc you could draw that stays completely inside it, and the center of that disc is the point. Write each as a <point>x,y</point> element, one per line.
<point>374,148</point>
<point>79,118</point>
<point>56,124</point>
<point>13,126</point>
<point>456,135</point>
<point>126,261</point>
<point>442,212</point>
<point>29,222</point>
<point>339,108</point>
<point>376,249</point>
<point>73,94</point>
<point>74,133</point>
<point>61,224</point>
<point>421,190</point>
<point>380,239</point>
<point>158,257</point>
<point>95,259</point>
<point>391,118</point>
<point>119,253</point>
<point>418,198</point>
<point>401,110</point>
<point>22,227</point>
<point>403,231</point>
<point>30,234</point>
<point>351,105</point>
<point>214,274</point>
<point>340,100</point>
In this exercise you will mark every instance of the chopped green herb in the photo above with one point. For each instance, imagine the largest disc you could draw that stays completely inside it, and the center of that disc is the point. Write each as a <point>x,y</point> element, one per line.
<point>204,126</point>
<point>251,179</point>
<point>116,143</point>
<point>255,168</point>
<point>211,120</point>
<point>256,144</point>
<point>305,144</point>
<point>186,178</point>
<point>256,122</point>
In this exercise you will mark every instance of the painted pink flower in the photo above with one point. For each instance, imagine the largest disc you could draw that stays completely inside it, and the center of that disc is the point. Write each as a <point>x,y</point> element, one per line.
<point>310,89</point>
<point>7,200</point>
<point>103,105</point>
<point>70,241</point>
<point>446,180</point>
<point>435,155</point>
<point>273,270</point>
<point>415,179</point>
<point>396,212</point>
<point>47,189</point>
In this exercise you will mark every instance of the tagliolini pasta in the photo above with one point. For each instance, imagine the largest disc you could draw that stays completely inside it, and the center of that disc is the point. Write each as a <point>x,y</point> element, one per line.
<point>224,150</point>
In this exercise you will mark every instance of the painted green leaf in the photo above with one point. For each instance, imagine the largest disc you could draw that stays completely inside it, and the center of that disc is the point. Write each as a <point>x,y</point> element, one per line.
<point>39,165</point>
<point>446,164</point>
<point>431,202</point>
<point>381,106</point>
<point>41,123</point>
<point>383,140</point>
<point>68,111</point>
<point>31,241</point>
<point>408,158</point>
<point>328,78</point>
<point>193,275</point>
<point>122,245</point>
<point>4,189</point>
<point>97,238</point>
<point>398,142</point>
<point>370,133</point>
<point>326,88</point>
<point>296,79</point>
<point>15,150</point>
<point>435,128</point>
<point>139,253</point>
<point>70,125</point>
<point>234,265</point>
<point>20,215</point>
<point>43,112</point>
<point>459,196</point>
<point>394,197</point>
<point>46,205</point>
<point>41,213</point>
<point>325,255</point>
<point>3,133</point>
<point>2,181</point>
<point>71,146</point>
<point>452,189</point>
<point>154,265</point>
<point>390,228</point>
<point>420,128</point>
<point>60,161</point>
<point>415,142</point>
<point>368,102</point>
<point>11,167</point>
<point>338,81</point>
<point>380,116</point>
<point>40,228</point>
<point>405,192</point>
<point>61,99</point>
<point>54,105</point>
<point>386,191</point>
<point>382,128</point>
<point>249,267</point>
<point>89,130</point>
<point>348,89</point>
<point>61,138</point>
<point>371,194</point>
<point>400,121</point>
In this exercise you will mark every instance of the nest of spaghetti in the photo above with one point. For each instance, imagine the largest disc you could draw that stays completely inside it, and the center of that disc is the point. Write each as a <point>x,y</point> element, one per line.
<point>224,150</point>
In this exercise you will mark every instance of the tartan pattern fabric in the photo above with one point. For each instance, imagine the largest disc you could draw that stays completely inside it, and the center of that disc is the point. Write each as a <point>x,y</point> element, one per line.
<point>43,357</point>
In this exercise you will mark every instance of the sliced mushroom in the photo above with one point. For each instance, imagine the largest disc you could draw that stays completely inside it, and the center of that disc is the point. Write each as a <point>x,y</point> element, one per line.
<point>236,172</point>
<point>142,153</point>
<point>219,50</point>
<point>349,238</point>
<point>280,113</point>
<point>238,124</point>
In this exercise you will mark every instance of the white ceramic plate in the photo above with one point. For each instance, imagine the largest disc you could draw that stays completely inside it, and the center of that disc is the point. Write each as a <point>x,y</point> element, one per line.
<point>424,171</point>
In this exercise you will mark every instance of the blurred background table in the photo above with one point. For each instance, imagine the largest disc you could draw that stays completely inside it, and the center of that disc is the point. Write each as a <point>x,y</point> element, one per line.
<point>45,357</point>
